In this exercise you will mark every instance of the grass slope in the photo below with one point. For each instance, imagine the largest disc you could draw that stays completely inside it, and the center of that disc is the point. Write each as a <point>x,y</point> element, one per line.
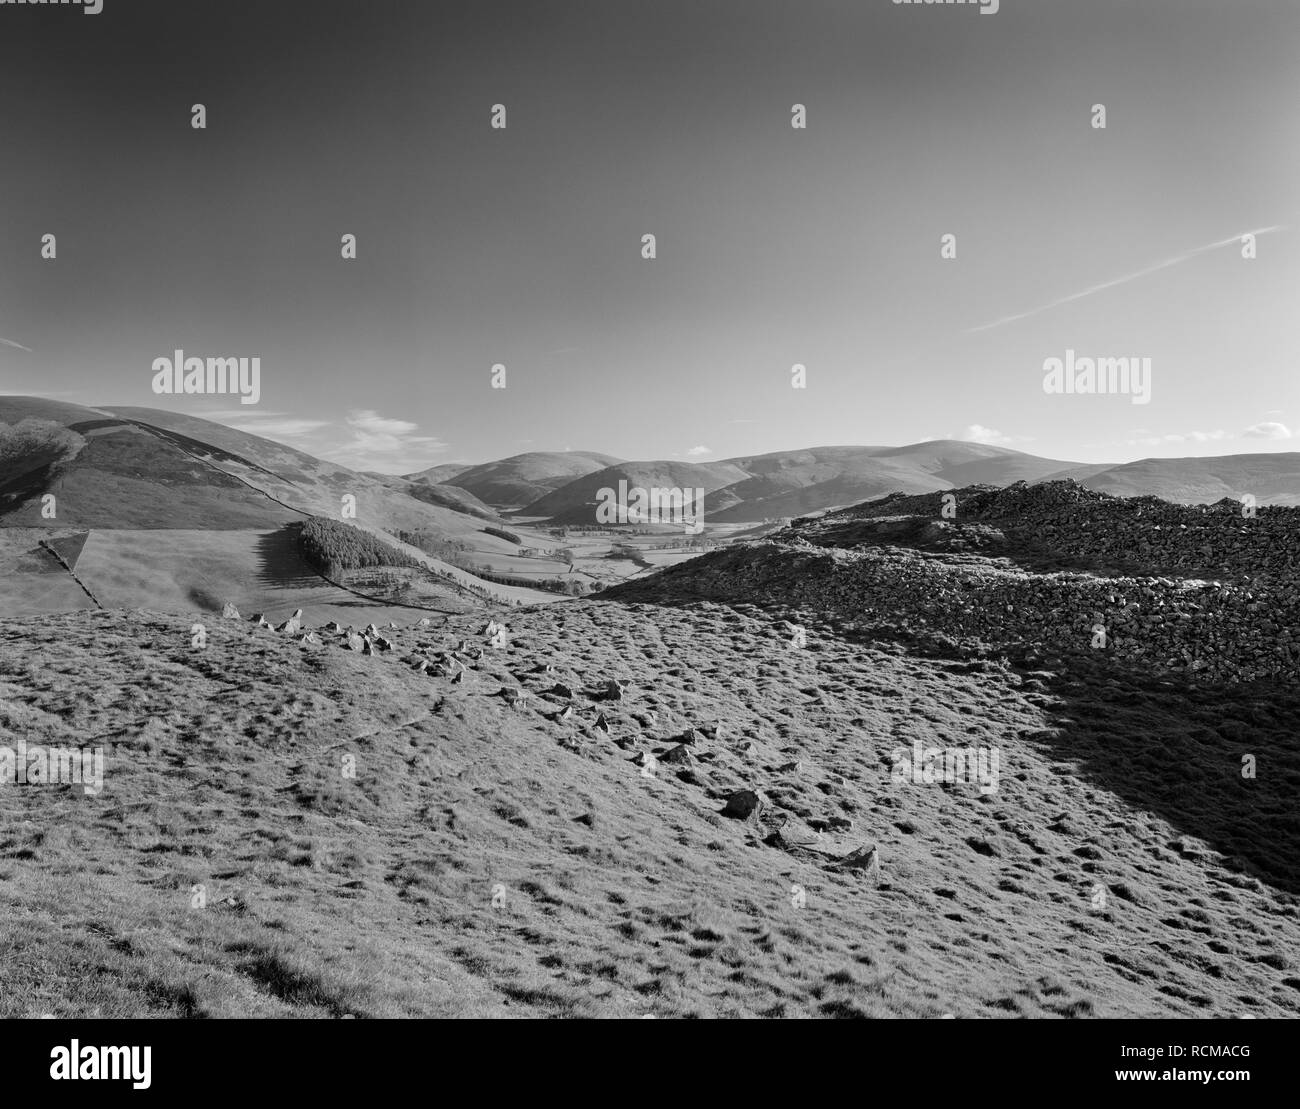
<point>497,860</point>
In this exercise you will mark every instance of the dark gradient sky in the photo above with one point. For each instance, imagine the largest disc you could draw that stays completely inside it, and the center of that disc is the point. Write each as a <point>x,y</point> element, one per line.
<point>776,246</point>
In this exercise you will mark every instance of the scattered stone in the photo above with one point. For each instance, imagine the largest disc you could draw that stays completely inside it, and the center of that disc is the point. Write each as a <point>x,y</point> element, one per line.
<point>229,612</point>
<point>864,858</point>
<point>601,724</point>
<point>367,647</point>
<point>382,644</point>
<point>744,804</point>
<point>290,627</point>
<point>678,756</point>
<point>559,689</point>
<point>791,833</point>
<point>832,824</point>
<point>356,642</point>
<point>333,626</point>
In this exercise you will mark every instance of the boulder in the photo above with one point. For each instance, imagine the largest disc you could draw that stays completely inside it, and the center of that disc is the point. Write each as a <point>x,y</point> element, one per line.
<point>744,804</point>
<point>229,612</point>
<point>864,858</point>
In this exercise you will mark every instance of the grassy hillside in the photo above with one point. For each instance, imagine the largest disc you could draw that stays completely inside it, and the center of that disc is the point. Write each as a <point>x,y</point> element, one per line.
<point>1269,478</point>
<point>496,860</point>
<point>524,478</point>
<point>575,503</point>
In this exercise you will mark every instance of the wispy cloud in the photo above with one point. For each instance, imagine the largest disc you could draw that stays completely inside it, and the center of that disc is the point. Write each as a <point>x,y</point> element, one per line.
<point>16,346</point>
<point>1117,281</point>
<point>273,425</point>
<point>978,433</point>
<point>696,452</point>
<point>384,443</point>
<point>1269,429</point>
<point>1149,439</point>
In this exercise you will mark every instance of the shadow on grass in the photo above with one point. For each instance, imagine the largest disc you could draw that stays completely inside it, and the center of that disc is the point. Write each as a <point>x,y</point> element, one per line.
<point>1160,745</point>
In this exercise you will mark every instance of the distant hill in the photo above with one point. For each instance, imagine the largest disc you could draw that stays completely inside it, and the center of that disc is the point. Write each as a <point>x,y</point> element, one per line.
<point>1269,478</point>
<point>796,483</point>
<point>793,483</point>
<point>575,502</point>
<point>524,478</point>
<point>448,496</point>
<point>444,472</point>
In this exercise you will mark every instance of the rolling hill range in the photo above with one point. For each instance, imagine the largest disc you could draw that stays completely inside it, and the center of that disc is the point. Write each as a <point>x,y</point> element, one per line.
<point>793,483</point>
<point>521,479</point>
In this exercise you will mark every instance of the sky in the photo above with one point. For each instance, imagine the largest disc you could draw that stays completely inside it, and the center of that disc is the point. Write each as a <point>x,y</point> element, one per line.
<point>775,246</point>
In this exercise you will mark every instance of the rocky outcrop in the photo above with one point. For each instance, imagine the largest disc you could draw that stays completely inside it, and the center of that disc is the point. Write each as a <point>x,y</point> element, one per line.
<point>1236,628</point>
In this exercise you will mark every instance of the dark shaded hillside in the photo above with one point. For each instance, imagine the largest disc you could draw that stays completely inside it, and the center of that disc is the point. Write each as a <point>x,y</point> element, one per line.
<point>125,478</point>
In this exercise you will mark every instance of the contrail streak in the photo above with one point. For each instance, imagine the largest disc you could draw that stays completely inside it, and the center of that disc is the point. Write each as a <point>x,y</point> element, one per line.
<point>9,343</point>
<point>1177,260</point>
